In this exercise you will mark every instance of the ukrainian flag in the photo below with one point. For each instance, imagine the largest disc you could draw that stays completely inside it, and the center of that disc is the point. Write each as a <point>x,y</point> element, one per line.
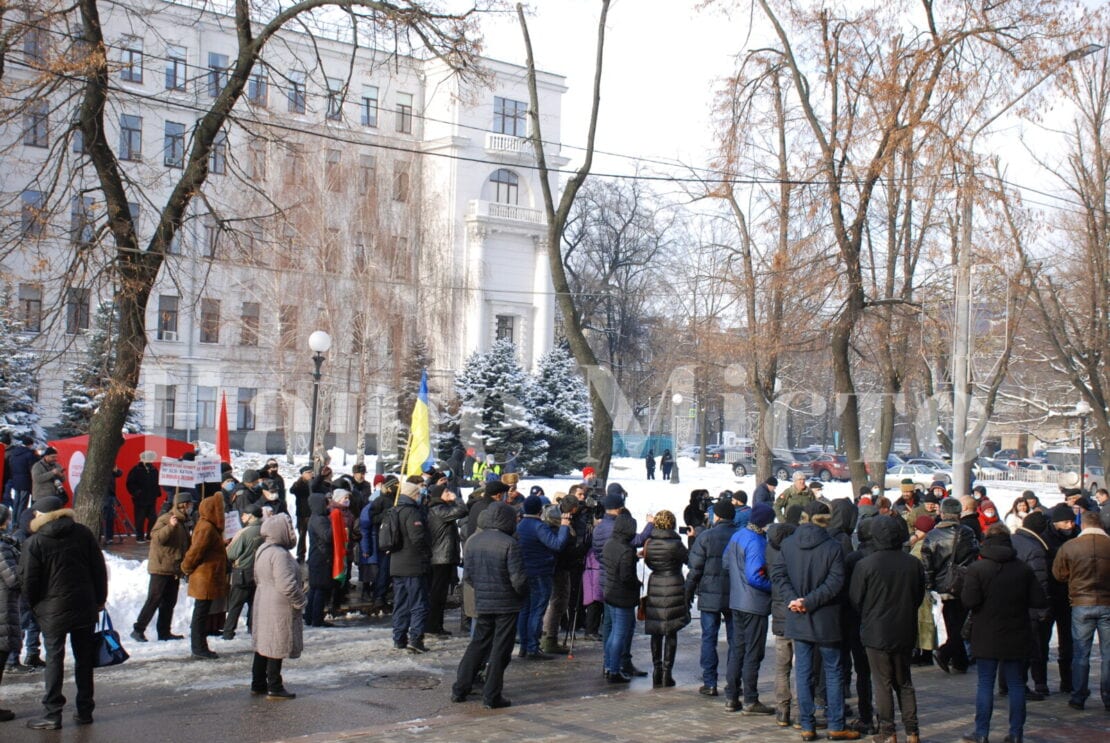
<point>418,454</point>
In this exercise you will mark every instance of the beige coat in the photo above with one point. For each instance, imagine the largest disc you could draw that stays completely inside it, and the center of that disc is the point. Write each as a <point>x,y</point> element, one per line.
<point>279,598</point>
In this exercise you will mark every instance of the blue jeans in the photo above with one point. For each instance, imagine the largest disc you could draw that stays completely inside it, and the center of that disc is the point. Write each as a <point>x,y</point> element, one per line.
<point>410,608</point>
<point>710,631</point>
<point>622,621</point>
<point>804,657</point>
<point>1084,621</point>
<point>1014,673</point>
<point>529,623</point>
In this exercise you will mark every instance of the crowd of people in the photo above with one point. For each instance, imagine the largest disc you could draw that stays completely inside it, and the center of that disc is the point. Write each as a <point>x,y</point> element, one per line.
<point>861,588</point>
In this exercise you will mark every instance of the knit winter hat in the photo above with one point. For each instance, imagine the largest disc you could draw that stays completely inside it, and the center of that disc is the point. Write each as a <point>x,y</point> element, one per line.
<point>496,488</point>
<point>762,514</point>
<point>1035,522</point>
<point>533,505</point>
<point>1059,512</point>
<point>724,510</point>
<point>924,523</point>
<point>51,503</point>
<point>612,502</point>
<point>951,506</point>
<point>815,508</point>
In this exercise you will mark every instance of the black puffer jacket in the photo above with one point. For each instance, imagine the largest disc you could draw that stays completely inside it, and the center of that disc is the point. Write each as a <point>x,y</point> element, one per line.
<point>999,590</point>
<point>707,579</point>
<point>775,534</point>
<point>842,523</point>
<point>494,568</point>
<point>9,594</point>
<point>319,542</point>
<point>443,522</point>
<point>622,586</point>
<point>64,579</point>
<point>415,556</point>
<point>887,588</point>
<point>812,568</point>
<point>946,552</point>
<point>1032,550</point>
<point>1055,539</point>
<point>573,556</point>
<point>667,610</point>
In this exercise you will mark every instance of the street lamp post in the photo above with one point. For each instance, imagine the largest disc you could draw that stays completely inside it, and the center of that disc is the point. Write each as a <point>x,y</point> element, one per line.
<point>319,342</point>
<point>1082,410</point>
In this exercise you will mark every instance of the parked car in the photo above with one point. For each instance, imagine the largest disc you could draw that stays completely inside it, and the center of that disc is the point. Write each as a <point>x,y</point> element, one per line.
<point>783,465</point>
<point>1094,473</point>
<point>743,465</point>
<point>688,451</point>
<point>920,474</point>
<point>937,464</point>
<point>830,467</point>
<point>727,453</point>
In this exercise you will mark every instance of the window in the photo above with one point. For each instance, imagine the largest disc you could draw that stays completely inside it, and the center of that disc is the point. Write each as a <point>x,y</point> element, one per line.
<point>211,237</point>
<point>244,408</point>
<point>332,174</point>
<point>287,327</point>
<point>369,105</point>
<point>174,247</point>
<point>77,310</point>
<point>248,334</point>
<point>165,404</point>
<point>217,159</point>
<point>217,73</point>
<point>177,68</point>
<point>81,221</point>
<point>504,330</point>
<point>36,125</point>
<point>296,92</point>
<point>258,88</point>
<point>206,407</point>
<point>35,41</point>
<point>173,155</point>
<point>367,173</point>
<point>77,141</point>
<point>209,320</point>
<point>510,117</point>
<point>256,160</point>
<point>167,317</point>
<point>32,214</point>
<point>404,113</point>
<point>130,137</point>
<point>335,99</point>
<point>401,182</point>
<point>30,307</point>
<point>294,165</point>
<point>132,69</point>
<point>506,186</point>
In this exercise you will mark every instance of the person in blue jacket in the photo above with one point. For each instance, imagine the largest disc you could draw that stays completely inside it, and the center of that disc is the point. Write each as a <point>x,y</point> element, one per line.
<point>749,599</point>
<point>539,544</point>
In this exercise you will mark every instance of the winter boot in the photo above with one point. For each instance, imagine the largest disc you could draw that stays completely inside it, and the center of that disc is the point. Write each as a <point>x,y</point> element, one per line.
<point>657,661</point>
<point>670,647</point>
<point>782,715</point>
<point>551,646</point>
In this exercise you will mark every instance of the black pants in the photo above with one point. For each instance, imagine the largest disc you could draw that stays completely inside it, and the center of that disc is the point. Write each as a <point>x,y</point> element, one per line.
<point>892,676</point>
<point>592,625</point>
<point>239,597</point>
<point>161,596</point>
<point>1061,614</point>
<point>144,518</point>
<point>439,583</point>
<point>266,674</point>
<point>83,643</point>
<point>198,628</point>
<point>302,534</point>
<point>953,651</point>
<point>858,656</point>
<point>749,638</point>
<point>1038,659</point>
<point>493,638</point>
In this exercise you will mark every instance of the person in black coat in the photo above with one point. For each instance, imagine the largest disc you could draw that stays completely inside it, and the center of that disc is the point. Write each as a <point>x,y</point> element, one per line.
<point>409,567</point>
<point>706,579</point>
<point>494,569</point>
<point>693,517</point>
<point>765,491</point>
<point>142,484</point>
<point>887,587</point>
<point>784,646</point>
<point>444,513</point>
<point>65,582</point>
<point>320,554</point>
<point>1031,548</point>
<point>946,552</point>
<point>1061,528</point>
<point>622,595</point>
<point>667,611</point>
<point>301,489</point>
<point>999,590</point>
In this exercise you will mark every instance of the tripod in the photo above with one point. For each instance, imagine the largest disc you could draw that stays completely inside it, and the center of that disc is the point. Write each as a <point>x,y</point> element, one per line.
<point>119,521</point>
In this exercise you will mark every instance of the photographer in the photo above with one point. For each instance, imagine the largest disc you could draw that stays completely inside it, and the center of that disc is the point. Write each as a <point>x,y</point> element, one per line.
<point>695,516</point>
<point>46,477</point>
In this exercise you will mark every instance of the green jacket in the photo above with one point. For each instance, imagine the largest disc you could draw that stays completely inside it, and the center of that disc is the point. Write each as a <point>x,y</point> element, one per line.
<point>240,553</point>
<point>792,497</point>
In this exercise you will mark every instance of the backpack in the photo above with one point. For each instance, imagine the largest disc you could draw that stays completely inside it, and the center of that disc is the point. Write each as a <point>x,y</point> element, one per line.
<point>389,535</point>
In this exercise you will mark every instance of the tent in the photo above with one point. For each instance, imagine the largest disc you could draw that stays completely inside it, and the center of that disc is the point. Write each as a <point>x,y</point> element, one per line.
<point>72,453</point>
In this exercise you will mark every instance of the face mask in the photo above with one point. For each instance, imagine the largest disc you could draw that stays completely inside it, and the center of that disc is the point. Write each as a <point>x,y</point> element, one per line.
<point>875,491</point>
<point>269,495</point>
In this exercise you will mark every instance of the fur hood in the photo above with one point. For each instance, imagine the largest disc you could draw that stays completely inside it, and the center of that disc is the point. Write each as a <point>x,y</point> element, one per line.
<point>42,519</point>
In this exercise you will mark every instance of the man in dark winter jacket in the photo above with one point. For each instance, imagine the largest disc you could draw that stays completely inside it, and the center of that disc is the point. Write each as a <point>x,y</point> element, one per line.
<point>812,571</point>
<point>444,512</point>
<point>765,491</point>
<point>1060,529</point>
<point>539,545</point>
<point>947,552</point>
<point>65,581</point>
<point>409,567</point>
<point>887,588</point>
<point>142,484</point>
<point>1031,549</point>
<point>707,580</point>
<point>18,462</point>
<point>745,564</point>
<point>495,570</point>
<point>784,646</point>
<point>566,587</point>
<point>622,594</point>
<point>301,490</point>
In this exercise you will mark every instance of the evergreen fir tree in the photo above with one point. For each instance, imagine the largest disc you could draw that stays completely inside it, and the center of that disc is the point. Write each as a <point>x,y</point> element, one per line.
<point>18,415</point>
<point>417,359</point>
<point>495,415</point>
<point>561,403</point>
<point>83,392</point>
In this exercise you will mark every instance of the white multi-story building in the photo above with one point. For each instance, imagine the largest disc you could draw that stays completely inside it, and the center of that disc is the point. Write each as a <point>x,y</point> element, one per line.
<point>378,197</point>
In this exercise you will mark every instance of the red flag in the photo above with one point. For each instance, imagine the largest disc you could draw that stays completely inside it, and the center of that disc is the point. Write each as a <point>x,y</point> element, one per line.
<point>223,441</point>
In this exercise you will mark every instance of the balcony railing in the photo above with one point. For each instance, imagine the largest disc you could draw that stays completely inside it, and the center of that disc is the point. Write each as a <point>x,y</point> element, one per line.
<point>494,210</point>
<point>507,143</point>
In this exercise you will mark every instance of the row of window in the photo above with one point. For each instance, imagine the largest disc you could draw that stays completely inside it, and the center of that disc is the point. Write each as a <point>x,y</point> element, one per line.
<point>165,407</point>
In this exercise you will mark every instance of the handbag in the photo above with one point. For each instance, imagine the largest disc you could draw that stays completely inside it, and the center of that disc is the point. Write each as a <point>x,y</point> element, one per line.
<point>641,609</point>
<point>109,649</point>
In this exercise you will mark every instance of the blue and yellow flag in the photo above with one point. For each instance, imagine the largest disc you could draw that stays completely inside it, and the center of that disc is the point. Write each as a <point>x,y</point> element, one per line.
<point>418,454</point>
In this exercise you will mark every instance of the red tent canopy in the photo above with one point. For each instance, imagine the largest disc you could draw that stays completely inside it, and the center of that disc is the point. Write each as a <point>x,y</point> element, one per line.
<point>72,453</point>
